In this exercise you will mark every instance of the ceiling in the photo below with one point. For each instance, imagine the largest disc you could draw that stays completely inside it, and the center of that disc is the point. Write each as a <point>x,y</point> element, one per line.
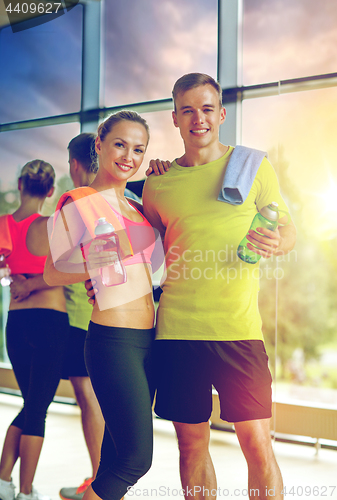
<point>3,15</point>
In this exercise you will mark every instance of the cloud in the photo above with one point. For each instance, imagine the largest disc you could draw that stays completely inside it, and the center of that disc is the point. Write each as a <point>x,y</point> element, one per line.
<point>162,41</point>
<point>285,39</point>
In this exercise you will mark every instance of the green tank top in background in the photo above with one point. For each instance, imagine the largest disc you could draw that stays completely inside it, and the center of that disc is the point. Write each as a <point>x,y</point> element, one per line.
<point>78,308</point>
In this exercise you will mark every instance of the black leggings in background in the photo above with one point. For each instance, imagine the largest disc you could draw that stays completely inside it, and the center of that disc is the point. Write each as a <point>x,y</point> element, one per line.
<point>118,362</point>
<point>36,341</point>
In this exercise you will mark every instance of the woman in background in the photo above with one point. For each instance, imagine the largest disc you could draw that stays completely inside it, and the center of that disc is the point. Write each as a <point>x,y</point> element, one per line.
<point>36,330</point>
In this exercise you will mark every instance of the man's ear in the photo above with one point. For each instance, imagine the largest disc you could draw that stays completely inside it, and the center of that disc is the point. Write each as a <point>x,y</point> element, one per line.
<point>174,117</point>
<point>222,115</point>
<point>74,164</point>
<point>50,192</point>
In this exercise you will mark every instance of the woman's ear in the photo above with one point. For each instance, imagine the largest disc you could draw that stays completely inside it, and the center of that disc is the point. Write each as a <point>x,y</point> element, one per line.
<point>98,145</point>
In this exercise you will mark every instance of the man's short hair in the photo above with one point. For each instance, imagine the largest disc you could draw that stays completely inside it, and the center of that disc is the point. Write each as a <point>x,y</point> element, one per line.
<point>193,80</point>
<point>82,149</point>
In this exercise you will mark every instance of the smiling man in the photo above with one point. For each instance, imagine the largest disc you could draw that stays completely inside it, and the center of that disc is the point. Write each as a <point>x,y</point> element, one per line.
<point>208,325</point>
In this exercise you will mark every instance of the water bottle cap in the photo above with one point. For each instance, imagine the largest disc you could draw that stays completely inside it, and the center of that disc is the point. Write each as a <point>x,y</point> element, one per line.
<point>103,226</point>
<point>270,212</point>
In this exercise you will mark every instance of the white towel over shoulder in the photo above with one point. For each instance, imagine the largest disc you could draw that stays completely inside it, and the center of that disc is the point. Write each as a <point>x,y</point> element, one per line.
<point>240,174</point>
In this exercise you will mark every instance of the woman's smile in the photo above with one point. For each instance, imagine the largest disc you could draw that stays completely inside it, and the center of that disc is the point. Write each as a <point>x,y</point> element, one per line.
<point>123,166</point>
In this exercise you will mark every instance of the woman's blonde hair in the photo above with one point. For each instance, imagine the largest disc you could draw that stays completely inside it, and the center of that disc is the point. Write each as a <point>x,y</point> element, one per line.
<point>124,115</point>
<point>37,178</point>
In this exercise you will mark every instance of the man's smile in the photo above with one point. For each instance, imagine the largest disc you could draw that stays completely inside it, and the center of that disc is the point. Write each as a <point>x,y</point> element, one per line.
<point>200,131</point>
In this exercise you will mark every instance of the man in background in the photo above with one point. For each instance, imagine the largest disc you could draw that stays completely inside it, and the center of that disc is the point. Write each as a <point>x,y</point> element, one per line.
<point>83,167</point>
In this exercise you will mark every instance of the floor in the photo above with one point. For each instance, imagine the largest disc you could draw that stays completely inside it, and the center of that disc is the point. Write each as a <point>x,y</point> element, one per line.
<point>64,460</point>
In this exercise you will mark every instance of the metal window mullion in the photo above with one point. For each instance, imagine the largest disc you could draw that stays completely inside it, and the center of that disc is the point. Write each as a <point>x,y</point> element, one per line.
<point>229,65</point>
<point>230,95</point>
<point>91,65</point>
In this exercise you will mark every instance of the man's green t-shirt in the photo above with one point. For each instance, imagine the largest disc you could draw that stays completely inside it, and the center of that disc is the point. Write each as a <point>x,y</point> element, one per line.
<point>78,309</point>
<point>209,293</point>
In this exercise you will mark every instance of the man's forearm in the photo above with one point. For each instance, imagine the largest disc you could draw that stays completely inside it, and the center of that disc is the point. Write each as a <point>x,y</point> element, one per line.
<point>36,283</point>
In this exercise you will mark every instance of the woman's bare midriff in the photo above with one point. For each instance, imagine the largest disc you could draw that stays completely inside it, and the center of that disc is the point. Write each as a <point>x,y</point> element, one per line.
<point>50,298</point>
<point>129,305</point>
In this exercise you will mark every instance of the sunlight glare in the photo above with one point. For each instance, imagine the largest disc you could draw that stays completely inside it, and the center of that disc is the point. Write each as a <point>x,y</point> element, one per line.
<point>326,213</point>
<point>329,200</point>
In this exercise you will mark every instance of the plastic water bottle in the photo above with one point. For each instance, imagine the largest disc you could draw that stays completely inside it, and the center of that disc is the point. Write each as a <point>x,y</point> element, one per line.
<point>267,218</point>
<point>7,279</point>
<point>115,274</point>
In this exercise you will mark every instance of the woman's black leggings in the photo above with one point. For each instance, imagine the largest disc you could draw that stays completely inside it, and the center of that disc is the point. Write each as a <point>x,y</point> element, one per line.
<point>36,342</point>
<point>118,362</point>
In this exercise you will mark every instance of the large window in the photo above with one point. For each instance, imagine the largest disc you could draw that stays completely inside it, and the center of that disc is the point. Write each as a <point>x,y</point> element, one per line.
<point>279,99</point>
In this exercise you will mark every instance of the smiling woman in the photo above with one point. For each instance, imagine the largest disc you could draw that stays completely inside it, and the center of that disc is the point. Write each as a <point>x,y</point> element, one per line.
<point>122,141</point>
<point>121,329</point>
